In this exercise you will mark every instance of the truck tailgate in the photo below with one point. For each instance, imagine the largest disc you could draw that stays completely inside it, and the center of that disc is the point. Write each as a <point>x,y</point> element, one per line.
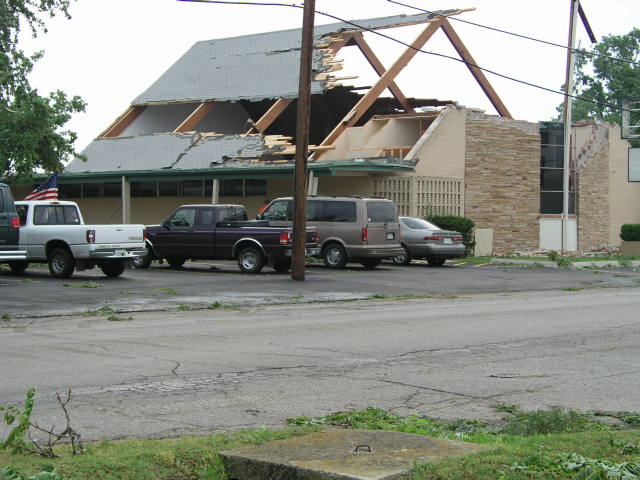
<point>117,234</point>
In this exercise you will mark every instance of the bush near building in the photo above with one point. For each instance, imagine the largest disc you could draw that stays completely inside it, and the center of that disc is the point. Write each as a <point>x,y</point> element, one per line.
<point>630,232</point>
<point>463,225</point>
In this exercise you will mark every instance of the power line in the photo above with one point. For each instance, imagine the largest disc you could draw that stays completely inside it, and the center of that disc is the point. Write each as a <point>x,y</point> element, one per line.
<point>388,37</point>
<point>585,52</point>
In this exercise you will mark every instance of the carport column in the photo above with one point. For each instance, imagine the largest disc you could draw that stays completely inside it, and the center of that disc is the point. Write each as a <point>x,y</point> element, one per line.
<point>126,200</point>
<point>313,184</point>
<point>215,191</point>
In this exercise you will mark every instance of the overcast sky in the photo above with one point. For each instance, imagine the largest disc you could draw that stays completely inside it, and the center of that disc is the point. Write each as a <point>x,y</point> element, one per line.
<point>112,50</point>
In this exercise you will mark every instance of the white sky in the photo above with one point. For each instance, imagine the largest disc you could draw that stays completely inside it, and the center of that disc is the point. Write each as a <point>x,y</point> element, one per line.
<point>112,50</point>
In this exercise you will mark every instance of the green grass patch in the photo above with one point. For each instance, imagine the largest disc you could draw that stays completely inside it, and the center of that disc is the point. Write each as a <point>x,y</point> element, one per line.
<point>104,310</point>
<point>115,318</point>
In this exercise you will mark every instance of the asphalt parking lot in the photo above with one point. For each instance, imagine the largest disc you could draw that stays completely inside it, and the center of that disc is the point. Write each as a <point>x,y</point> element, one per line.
<point>201,284</point>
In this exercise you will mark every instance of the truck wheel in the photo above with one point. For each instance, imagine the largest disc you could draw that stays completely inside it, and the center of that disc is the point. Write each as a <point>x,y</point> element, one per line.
<point>435,262</point>
<point>61,263</point>
<point>370,263</point>
<point>18,266</point>
<point>114,269</point>
<point>282,265</point>
<point>145,261</point>
<point>404,259</point>
<point>335,256</point>
<point>250,260</point>
<point>175,261</point>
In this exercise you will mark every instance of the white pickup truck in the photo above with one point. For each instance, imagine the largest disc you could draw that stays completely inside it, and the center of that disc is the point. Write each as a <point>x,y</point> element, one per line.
<point>54,232</point>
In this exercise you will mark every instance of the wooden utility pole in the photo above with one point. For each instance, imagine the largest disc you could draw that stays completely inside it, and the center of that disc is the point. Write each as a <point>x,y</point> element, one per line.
<point>302,144</point>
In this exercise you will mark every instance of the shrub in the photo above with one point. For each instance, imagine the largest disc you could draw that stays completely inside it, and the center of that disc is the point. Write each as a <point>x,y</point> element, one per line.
<point>463,225</point>
<point>630,232</point>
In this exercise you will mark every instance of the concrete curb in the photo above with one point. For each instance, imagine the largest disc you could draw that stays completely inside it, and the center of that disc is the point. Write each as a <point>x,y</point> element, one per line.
<point>508,261</point>
<point>605,264</point>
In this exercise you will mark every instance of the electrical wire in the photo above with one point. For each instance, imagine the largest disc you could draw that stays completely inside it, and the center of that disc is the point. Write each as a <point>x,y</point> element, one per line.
<point>388,37</point>
<point>580,51</point>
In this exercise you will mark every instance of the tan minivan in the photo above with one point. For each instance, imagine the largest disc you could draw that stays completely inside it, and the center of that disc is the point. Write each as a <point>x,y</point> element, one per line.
<point>350,229</point>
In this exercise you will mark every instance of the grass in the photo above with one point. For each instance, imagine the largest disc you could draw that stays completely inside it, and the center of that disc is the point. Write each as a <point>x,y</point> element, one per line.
<point>545,444</point>
<point>104,310</point>
<point>115,318</point>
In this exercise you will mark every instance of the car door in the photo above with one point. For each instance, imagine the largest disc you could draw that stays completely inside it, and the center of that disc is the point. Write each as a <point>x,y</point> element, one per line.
<point>383,227</point>
<point>176,239</point>
<point>203,233</point>
<point>227,236</point>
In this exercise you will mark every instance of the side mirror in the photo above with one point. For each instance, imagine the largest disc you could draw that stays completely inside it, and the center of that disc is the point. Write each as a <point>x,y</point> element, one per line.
<point>260,216</point>
<point>166,224</point>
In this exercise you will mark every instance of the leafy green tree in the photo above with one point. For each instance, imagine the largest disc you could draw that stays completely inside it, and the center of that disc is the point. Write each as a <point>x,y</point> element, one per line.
<point>604,80</point>
<point>31,125</point>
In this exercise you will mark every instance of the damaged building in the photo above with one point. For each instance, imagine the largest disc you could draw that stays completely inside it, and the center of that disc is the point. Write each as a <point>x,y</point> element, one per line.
<point>219,126</point>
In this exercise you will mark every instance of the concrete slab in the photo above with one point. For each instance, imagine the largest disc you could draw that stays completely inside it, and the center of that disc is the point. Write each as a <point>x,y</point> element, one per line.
<point>340,455</point>
<point>509,261</point>
<point>600,264</point>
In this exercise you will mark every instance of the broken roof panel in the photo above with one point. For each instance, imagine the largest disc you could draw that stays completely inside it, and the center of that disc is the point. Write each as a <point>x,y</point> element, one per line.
<point>234,68</point>
<point>165,151</point>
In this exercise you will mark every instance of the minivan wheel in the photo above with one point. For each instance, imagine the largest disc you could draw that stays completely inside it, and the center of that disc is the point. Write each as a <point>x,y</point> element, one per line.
<point>370,263</point>
<point>436,262</point>
<point>61,263</point>
<point>250,260</point>
<point>404,259</point>
<point>334,256</point>
<point>18,266</point>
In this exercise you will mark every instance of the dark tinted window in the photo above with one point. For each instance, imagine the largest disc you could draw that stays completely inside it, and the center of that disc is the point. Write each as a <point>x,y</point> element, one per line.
<point>551,202</point>
<point>69,190</point>
<point>552,156</point>
<point>255,187</point>
<point>315,211</point>
<point>144,189</point>
<point>340,211</point>
<point>22,213</point>
<point>232,214</point>
<point>112,189</point>
<point>206,216</point>
<point>381,212</point>
<point>192,188</point>
<point>55,215</point>
<point>551,179</point>
<point>231,188</point>
<point>90,190</point>
<point>169,189</point>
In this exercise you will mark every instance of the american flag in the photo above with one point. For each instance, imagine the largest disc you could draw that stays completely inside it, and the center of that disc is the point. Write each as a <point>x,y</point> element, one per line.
<point>47,190</point>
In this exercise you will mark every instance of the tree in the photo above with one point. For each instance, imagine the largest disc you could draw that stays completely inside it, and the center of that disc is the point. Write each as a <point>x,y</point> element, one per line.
<point>31,125</point>
<point>607,78</point>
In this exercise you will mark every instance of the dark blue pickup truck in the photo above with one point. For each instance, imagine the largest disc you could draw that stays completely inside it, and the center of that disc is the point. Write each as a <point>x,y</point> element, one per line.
<point>222,232</point>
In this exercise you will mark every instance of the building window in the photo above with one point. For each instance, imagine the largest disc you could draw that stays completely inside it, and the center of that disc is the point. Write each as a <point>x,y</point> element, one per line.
<point>70,190</point>
<point>192,188</point>
<point>634,164</point>
<point>169,189</point>
<point>91,190</point>
<point>112,189</point>
<point>551,170</point>
<point>231,188</point>
<point>144,189</point>
<point>255,186</point>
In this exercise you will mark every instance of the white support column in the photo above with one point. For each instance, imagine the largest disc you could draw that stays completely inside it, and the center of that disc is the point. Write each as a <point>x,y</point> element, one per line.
<point>313,184</point>
<point>126,200</point>
<point>215,191</point>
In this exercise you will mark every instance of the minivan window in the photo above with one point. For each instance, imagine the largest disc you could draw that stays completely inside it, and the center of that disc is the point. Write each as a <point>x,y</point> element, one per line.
<point>381,212</point>
<point>315,211</point>
<point>277,211</point>
<point>340,211</point>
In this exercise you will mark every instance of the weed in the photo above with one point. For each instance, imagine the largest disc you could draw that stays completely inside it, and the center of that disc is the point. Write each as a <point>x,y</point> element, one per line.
<point>572,289</point>
<point>115,318</point>
<point>216,304</point>
<point>168,291</point>
<point>5,316</point>
<point>26,280</point>
<point>184,308</point>
<point>379,296</point>
<point>99,311</point>
<point>621,275</point>
<point>83,285</point>
<point>632,418</point>
<point>12,473</point>
<point>554,420</point>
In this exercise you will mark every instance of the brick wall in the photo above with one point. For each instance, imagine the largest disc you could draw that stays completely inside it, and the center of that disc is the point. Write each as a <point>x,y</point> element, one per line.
<point>593,201</point>
<point>502,180</point>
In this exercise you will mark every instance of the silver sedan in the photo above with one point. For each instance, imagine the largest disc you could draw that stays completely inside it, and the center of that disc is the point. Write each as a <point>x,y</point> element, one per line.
<point>422,239</point>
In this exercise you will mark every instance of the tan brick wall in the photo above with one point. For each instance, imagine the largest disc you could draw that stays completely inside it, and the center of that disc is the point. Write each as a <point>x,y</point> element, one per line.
<point>502,180</point>
<point>593,201</point>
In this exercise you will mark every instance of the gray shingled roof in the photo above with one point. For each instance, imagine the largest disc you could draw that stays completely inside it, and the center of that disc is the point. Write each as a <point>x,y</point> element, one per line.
<point>252,67</point>
<point>165,151</point>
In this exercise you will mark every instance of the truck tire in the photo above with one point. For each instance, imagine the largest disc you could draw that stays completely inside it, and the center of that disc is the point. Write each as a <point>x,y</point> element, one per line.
<point>61,263</point>
<point>250,260</point>
<point>175,261</point>
<point>145,261</point>
<point>404,259</point>
<point>113,269</point>
<point>282,265</point>
<point>18,266</point>
<point>334,256</point>
<point>435,262</point>
<point>370,263</point>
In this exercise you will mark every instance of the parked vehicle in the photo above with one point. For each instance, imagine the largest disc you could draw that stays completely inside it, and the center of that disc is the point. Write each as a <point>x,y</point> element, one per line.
<point>356,229</point>
<point>9,230</point>
<point>54,232</point>
<point>422,239</point>
<point>211,232</point>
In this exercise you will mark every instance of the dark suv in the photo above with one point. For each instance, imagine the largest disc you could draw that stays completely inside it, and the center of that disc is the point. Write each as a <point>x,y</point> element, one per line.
<point>356,229</point>
<point>9,229</point>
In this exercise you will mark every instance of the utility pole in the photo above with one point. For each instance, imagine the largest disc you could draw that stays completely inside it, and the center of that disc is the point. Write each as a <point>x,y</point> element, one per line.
<point>568,103</point>
<point>302,144</point>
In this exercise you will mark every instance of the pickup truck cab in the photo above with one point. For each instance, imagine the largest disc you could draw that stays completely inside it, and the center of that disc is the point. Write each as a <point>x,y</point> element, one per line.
<point>221,232</point>
<point>9,230</point>
<point>54,232</point>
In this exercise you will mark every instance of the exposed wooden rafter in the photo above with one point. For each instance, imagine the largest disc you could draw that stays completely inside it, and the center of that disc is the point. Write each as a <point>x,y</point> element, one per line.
<point>270,116</point>
<point>383,83</point>
<point>380,70</point>
<point>122,122</point>
<point>475,71</point>
<point>196,117</point>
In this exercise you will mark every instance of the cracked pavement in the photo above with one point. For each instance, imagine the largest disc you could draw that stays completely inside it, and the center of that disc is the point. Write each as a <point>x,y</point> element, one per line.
<point>169,373</point>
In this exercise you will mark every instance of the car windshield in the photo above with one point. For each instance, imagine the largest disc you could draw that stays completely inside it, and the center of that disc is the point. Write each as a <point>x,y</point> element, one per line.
<point>418,224</point>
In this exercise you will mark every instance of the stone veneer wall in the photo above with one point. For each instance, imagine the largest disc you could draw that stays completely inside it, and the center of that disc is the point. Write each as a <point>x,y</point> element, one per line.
<point>593,201</point>
<point>502,180</point>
